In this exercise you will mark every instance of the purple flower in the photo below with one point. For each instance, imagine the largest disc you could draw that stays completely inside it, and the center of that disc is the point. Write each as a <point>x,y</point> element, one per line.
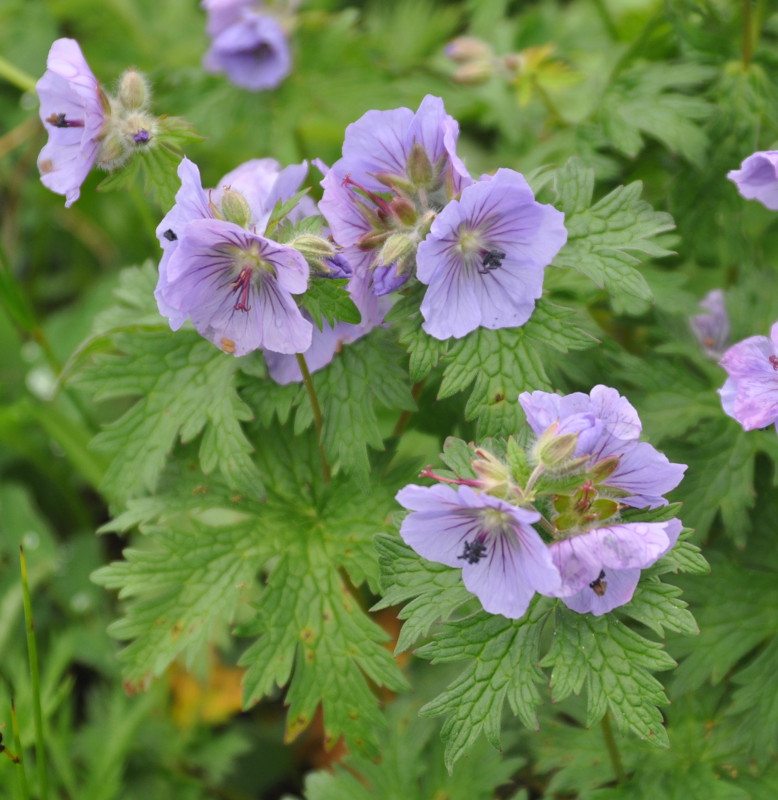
<point>73,112</point>
<point>237,287</point>
<point>608,429</point>
<point>712,329</point>
<point>601,568</point>
<point>750,394</point>
<point>757,178</point>
<point>233,283</point>
<point>398,169</point>
<point>247,44</point>
<point>503,559</point>
<point>485,255</point>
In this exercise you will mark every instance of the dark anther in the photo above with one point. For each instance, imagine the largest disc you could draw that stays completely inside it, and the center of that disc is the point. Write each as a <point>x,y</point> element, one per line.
<point>774,361</point>
<point>169,235</point>
<point>492,259</point>
<point>473,552</point>
<point>599,586</point>
<point>61,121</point>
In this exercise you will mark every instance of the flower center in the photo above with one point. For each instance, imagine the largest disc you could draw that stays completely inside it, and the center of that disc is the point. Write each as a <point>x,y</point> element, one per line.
<point>247,262</point>
<point>490,521</point>
<point>61,121</point>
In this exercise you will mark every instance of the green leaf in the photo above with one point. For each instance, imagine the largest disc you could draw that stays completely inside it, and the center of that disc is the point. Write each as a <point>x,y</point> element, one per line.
<point>615,665</point>
<point>405,319</point>
<point>502,656</point>
<point>182,590</point>
<point>364,375</point>
<point>435,591</point>
<point>327,298</point>
<point>643,101</point>
<point>186,388</point>
<point>410,767</point>
<point>657,606</point>
<point>745,615</point>
<point>602,238</point>
<point>499,365</point>
<point>313,634</point>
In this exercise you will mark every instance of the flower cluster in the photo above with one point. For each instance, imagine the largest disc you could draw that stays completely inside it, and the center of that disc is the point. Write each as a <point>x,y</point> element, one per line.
<point>583,551</point>
<point>248,43</point>
<point>403,207</point>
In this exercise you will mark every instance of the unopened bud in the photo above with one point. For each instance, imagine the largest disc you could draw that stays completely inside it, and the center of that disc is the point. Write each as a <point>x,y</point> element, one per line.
<point>554,451</point>
<point>133,91</point>
<point>318,252</point>
<point>404,210</point>
<point>113,152</point>
<point>398,248</point>
<point>474,73</point>
<point>139,129</point>
<point>420,167</point>
<point>604,468</point>
<point>394,182</point>
<point>235,208</point>
<point>494,475</point>
<point>467,48</point>
<point>604,508</point>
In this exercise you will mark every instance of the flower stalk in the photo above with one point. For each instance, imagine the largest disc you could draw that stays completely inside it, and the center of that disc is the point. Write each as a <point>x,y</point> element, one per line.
<point>317,417</point>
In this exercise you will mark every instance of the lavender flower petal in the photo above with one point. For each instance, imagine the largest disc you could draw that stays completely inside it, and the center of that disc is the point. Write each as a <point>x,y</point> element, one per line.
<point>757,178</point>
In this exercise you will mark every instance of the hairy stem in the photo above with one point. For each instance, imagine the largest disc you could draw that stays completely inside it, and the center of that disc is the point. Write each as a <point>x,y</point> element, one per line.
<point>404,418</point>
<point>613,749</point>
<point>317,418</point>
<point>35,678</point>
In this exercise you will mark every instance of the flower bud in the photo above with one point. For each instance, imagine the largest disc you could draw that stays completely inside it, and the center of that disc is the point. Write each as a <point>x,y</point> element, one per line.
<point>113,152</point>
<point>398,248</point>
<point>495,477</point>
<point>604,468</point>
<point>467,48</point>
<point>555,451</point>
<point>420,167</point>
<point>404,210</point>
<point>133,91</point>
<point>474,73</point>
<point>320,255</point>
<point>235,208</point>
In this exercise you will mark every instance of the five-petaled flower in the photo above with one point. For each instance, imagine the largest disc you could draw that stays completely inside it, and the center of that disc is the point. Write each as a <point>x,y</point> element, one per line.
<point>757,178</point>
<point>503,559</point>
<point>750,393</point>
<point>73,110</point>
<point>247,43</point>
<point>235,284</point>
<point>485,255</point>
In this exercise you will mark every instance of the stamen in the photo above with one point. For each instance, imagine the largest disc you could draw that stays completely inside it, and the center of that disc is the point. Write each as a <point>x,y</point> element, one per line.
<point>242,286</point>
<point>61,121</point>
<point>599,586</point>
<point>774,362</point>
<point>473,552</point>
<point>491,260</point>
<point>170,235</point>
<point>428,473</point>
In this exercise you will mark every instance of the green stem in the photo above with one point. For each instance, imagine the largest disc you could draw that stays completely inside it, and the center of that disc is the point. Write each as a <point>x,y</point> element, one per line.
<point>16,742</point>
<point>748,34</point>
<point>32,651</point>
<point>406,415</point>
<point>317,418</point>
<point>17,77</point>
<point>606,19</point>
<point>613,749</point>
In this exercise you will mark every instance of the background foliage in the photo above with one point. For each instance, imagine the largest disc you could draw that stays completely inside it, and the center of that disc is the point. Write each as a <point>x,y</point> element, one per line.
<point>242,577</point>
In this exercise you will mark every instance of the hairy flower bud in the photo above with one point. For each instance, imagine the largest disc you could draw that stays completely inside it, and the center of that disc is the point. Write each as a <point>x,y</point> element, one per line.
<point>398,249</point>
<point>495,477</point>
<point>467,48</point>
<point>133,91</point>
<point>235,208</point>
<point>555,451</point>
<point>420,169</point>
<point>474,73</point>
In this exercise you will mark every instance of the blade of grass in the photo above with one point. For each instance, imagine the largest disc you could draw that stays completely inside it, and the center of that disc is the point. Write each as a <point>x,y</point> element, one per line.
<point>35,678</point>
